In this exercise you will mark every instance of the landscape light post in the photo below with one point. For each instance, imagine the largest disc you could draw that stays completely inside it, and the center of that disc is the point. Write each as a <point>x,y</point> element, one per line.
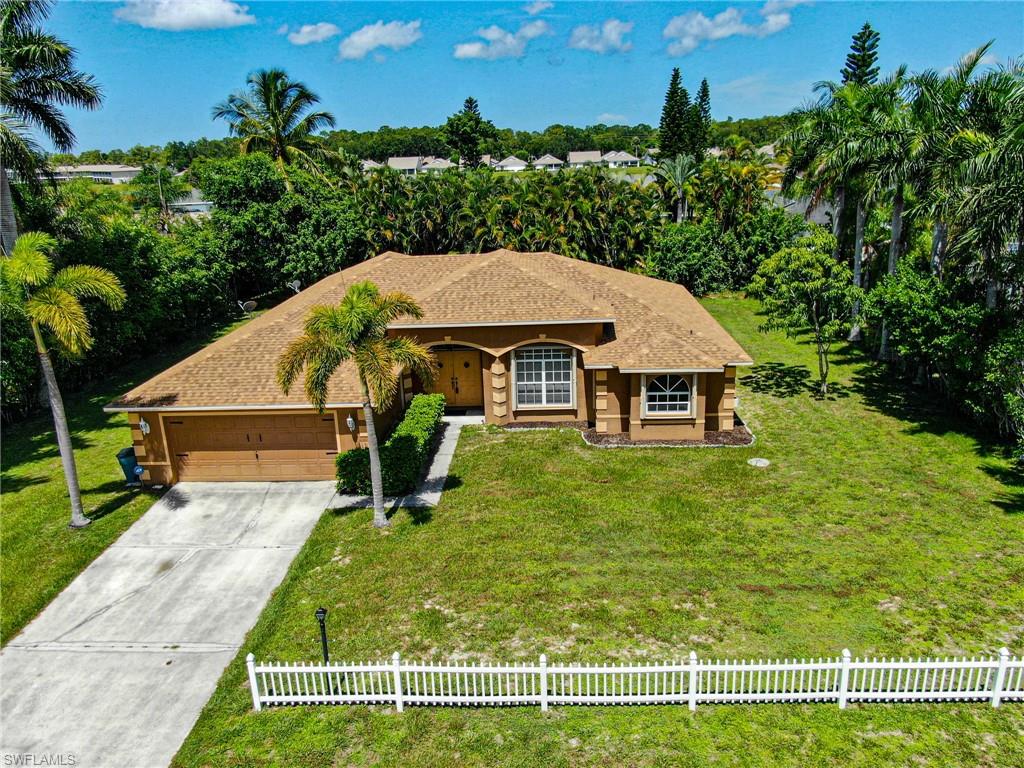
<point>321,617</point>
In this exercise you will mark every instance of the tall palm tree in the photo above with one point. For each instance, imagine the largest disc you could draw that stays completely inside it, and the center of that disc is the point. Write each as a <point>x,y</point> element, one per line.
<point>50,303</point>
<point>37,77</point>
<point>272,115</point>
<point>678,174</point>
<point>356,330</point>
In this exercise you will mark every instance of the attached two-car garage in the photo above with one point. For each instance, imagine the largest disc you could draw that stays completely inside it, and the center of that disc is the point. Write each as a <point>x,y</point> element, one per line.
<point>300,446</point>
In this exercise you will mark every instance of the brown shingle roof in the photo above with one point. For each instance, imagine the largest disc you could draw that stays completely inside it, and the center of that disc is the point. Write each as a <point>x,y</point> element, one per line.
<point>658,325</point>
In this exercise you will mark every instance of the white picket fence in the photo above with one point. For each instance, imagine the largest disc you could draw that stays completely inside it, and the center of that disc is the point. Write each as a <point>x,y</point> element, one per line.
<point>695,681</point>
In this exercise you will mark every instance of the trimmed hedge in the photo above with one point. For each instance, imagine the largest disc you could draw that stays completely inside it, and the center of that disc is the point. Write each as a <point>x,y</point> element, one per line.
<point>402,457</point>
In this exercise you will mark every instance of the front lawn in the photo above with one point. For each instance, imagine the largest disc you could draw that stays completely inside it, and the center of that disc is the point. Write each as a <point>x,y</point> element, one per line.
<point>39,556</point>
<point>881,525</point>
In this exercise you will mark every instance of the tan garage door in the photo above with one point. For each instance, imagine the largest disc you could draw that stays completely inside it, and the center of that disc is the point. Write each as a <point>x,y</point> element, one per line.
<point>263,447</point>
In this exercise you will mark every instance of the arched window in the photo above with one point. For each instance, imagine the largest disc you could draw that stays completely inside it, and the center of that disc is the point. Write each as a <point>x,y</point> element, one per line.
<point>667,394</point>
<point>544,376</point>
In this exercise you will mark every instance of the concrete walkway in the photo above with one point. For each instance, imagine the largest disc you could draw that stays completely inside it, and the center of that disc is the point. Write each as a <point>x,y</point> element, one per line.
<point>115,671</point>
<point>429,492</point>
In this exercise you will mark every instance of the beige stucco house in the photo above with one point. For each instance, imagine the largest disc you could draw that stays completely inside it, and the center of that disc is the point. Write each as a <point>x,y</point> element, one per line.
<point>521,337</point>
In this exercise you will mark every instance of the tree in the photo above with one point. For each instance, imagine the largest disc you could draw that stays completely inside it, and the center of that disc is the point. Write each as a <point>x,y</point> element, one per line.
<point>672,132</point>
<point>273,115</point>
<point>702,128</point>
<point>803,287</point>
<point>51,305</point>
<point>466,131</point>
<point>678,174</point>
<point>860,66</point>
<point>37,77</point>
<point>356,331</point>
<point>155,188</point>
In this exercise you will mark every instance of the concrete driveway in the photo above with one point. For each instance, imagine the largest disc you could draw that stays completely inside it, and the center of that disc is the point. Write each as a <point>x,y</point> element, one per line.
<point>117,668</point>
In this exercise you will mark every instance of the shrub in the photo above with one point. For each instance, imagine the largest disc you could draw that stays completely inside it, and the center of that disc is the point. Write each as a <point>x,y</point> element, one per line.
<point>695,254</point>
<point>402,457</point>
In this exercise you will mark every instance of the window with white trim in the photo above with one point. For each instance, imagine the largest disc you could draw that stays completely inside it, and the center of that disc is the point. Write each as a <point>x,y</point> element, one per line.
<point>667,395</point>
<point>544,376</point>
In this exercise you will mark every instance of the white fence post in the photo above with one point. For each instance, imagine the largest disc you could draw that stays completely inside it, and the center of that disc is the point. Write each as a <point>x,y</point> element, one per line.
<point>250,664</point>
<point>844,678</point>
<point>543,682</point>
<point>694,680</point>
<point>997,689</point>
<point>396,674</point>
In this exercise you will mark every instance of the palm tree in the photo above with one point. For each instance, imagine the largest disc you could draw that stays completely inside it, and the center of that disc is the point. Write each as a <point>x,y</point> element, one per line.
<point>272,115</point>
<point>678,174</point>
<point>37,76</point>
<point>51,305</point>
<point>356,330</point>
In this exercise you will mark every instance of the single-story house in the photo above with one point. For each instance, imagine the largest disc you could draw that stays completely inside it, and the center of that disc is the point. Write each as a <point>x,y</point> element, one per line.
<point>521,337</point>
<point>619,159</point>
<point>369,165</point>
<point>587,157</point>
<point>101,173</point>
<point>438,164</point>
<point>511,163</point>
<point>407,166</point>
<point>547,163</point>
<point>193,204</point>
<point>486,161</point>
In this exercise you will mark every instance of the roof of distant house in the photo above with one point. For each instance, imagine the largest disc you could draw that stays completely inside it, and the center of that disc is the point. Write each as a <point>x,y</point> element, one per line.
<point>511,162</point>
<point>405,163</point>
<point>585,156</point>
<point>547,160</point>
<point>438,164</point>
<point>658,326</point>
<point>619,156</point>
<point>95,168</point>
<point>369,164</point>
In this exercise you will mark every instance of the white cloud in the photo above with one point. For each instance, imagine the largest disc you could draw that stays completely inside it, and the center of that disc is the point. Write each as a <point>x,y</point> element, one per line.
<point>538,7</point>
<point>988,60</point>
<point>500,43</point>
<point>395,35</point>
<point>178,15</point>
<point>313,33</point>
<point>610,118</point>
<point>688,31</point>
<point>608,38</point>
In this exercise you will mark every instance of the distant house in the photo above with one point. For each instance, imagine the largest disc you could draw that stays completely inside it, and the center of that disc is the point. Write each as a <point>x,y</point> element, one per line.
<point>585,158</point>
<point>100,173</point>
<point>193,204</point>
<point>511,163</point>
<point>547,163</point>
<point>486,161</point>
<point>619,159</point>
<point>407,166</point>
<point>369,165</point>
<point>437,164</point>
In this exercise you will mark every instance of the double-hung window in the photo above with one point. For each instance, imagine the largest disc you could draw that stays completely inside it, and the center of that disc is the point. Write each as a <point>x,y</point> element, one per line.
<point>669,394</point>
<point>544,376</point>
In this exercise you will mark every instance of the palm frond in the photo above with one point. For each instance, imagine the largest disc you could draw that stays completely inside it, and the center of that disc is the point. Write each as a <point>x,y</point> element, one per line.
<point>29,263</point>
<point>62,315</point>
<point>86,281</point>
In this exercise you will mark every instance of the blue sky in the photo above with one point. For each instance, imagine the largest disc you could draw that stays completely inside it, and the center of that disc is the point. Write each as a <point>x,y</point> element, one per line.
<point>164,63</point>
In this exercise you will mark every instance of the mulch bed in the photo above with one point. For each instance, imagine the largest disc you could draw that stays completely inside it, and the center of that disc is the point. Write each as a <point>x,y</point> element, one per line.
<point>739,436</point>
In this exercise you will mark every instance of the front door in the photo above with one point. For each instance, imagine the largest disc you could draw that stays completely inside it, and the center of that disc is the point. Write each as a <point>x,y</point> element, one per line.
<point>460,378</point>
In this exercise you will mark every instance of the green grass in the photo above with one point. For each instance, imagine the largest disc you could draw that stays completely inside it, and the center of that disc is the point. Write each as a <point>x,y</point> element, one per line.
<point>880,525</point>
<point>40,555</point>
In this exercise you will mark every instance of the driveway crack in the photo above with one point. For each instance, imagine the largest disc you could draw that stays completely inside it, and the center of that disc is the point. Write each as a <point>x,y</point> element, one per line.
<point>163,574</point>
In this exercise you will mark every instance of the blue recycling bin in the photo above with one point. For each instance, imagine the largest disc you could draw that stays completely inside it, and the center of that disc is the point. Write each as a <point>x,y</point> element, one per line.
<point>126,458</point>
